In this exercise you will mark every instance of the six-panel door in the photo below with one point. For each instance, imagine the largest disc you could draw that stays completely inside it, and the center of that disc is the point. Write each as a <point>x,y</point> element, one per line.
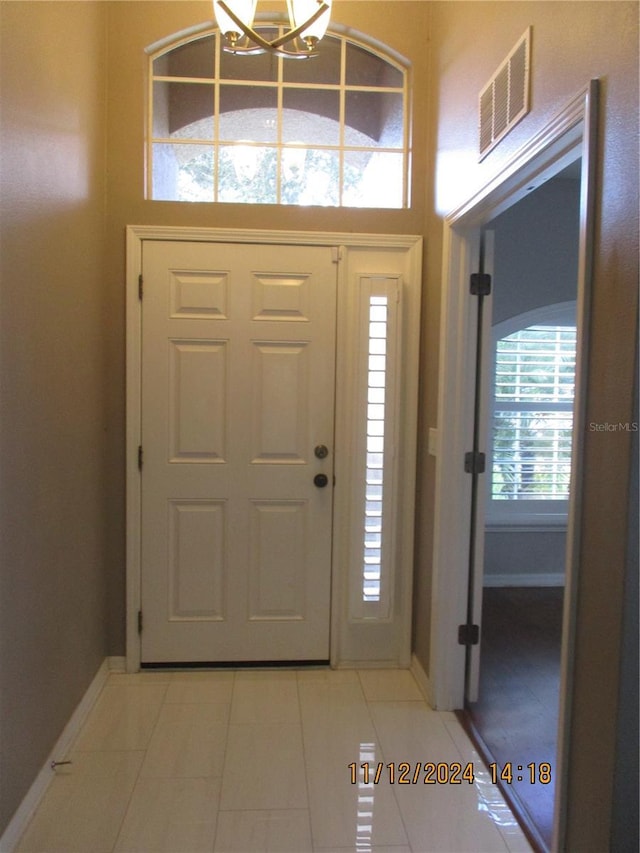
<point>238,363</point>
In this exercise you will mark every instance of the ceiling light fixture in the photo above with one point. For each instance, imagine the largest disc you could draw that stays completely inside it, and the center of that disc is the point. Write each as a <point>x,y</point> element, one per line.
<point>308,21</point>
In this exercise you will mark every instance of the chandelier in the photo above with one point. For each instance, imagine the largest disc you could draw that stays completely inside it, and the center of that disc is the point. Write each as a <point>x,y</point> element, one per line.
<point>308,21</point>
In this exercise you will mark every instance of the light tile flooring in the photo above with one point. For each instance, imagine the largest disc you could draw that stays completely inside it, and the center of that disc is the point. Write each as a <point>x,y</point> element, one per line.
<point>253,760</point>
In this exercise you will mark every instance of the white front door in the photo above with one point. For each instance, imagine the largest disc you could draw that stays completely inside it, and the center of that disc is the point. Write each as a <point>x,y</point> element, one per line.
<point>238,378</point>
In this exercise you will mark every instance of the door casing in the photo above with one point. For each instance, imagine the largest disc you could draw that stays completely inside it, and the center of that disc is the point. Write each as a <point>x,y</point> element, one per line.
<point>354,642</point>
<point>569,136</point>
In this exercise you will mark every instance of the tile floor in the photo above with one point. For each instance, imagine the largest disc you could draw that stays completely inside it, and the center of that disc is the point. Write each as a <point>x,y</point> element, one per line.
<point>250,760</point>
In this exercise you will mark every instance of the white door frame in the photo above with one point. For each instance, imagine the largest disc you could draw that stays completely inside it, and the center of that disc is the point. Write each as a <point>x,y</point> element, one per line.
<point>354,641</point>
<point>569,136</point>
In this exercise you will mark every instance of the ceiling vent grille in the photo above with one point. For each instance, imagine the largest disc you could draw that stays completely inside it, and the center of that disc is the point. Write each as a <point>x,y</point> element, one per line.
<point>505,98</point>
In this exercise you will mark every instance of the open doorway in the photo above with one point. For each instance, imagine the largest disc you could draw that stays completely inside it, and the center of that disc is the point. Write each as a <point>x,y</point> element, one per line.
<point>457,589</point>
<point>528,382</point>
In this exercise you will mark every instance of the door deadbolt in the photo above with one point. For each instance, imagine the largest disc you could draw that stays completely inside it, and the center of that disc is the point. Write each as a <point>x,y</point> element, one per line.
<point>320,480</point>
<point>321,451</point>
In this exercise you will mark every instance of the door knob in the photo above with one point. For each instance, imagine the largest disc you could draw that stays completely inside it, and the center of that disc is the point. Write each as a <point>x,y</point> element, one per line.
<point>321,451</point>
<point>320,480</point>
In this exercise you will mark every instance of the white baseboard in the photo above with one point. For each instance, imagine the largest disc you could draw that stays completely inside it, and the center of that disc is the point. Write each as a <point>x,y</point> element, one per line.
<point>366,664</point>
<point>524,580</point>
<point>19,822</point>
<point>422,679</point>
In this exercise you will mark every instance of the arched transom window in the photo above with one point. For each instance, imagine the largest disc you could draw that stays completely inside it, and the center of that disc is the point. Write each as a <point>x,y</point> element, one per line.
<point>328,130</point>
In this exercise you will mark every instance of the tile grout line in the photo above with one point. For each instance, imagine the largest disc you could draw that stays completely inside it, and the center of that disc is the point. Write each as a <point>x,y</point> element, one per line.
<point>478,762</point>
<point>304,758</point>
<point>135,784</point>
<point>393,790</point>
<point>224,759</point>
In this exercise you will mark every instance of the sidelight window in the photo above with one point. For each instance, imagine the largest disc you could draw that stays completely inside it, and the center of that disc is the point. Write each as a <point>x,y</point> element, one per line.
<point>374,468</point>
<point>375,437</point>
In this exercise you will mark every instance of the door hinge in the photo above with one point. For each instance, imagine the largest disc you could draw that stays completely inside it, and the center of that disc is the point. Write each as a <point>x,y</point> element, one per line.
<point>474,462</point>
<point>480,284</point>
<point>468,635</point>
<point>140,286</point>
<point>139,621</point>
<point>140,457</point>
<point>336,254</point>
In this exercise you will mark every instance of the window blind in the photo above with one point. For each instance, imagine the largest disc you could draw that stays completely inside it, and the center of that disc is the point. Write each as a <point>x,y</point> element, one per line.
<point>533,413</point>
<point>374,496</point>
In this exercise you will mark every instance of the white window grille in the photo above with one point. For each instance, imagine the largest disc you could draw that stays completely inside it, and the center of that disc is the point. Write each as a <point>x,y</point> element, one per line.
<point>332,130</point>
<point>534,378</point>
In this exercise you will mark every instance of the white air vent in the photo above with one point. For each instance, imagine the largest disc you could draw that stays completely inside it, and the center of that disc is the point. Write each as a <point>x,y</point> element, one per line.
<point>505,98</point>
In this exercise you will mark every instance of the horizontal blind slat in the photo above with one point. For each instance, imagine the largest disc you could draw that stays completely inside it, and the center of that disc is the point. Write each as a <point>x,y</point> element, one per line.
<point>532,445</point>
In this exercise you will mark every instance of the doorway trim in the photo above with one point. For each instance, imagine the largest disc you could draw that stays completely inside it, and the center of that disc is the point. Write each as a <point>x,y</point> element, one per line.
<point>571,135</point>
<point>353,641</point>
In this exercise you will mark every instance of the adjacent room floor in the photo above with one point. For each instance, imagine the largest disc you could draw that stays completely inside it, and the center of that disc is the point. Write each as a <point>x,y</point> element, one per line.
<point>271,760</point>
<point>517,711</point>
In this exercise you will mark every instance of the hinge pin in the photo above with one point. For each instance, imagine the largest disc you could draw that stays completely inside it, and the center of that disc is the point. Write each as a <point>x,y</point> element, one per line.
<point>474,463</point>
<point>468,635</point>
<point>480,284</point>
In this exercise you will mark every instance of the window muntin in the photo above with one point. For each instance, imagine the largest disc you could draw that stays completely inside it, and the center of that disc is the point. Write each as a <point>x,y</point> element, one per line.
<point>531,440</point>
<point>341,117</point>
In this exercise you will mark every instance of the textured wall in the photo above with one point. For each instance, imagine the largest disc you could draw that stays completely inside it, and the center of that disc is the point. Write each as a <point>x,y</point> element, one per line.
<point>62,321</point>
<point>572,43</point>
<point>52,511</point>
<point>536,250</point>
<point>508,554</point>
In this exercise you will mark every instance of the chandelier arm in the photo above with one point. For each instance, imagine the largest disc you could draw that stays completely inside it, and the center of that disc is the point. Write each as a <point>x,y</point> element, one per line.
<point>251,34</point>
<point>294,33</point>
<point>275,51</point>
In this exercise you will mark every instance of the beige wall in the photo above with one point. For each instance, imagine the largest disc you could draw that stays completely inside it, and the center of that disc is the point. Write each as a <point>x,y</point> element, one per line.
<point>572,42</point>
<point>52,325</point>
<point>62,320</point>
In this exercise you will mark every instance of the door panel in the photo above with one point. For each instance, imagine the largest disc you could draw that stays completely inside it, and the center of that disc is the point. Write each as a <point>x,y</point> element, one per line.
<point>280,403</point>
<point>196,563</point>
<point>238,374</point>
<point>197,400</point>
<point>279,540</point>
